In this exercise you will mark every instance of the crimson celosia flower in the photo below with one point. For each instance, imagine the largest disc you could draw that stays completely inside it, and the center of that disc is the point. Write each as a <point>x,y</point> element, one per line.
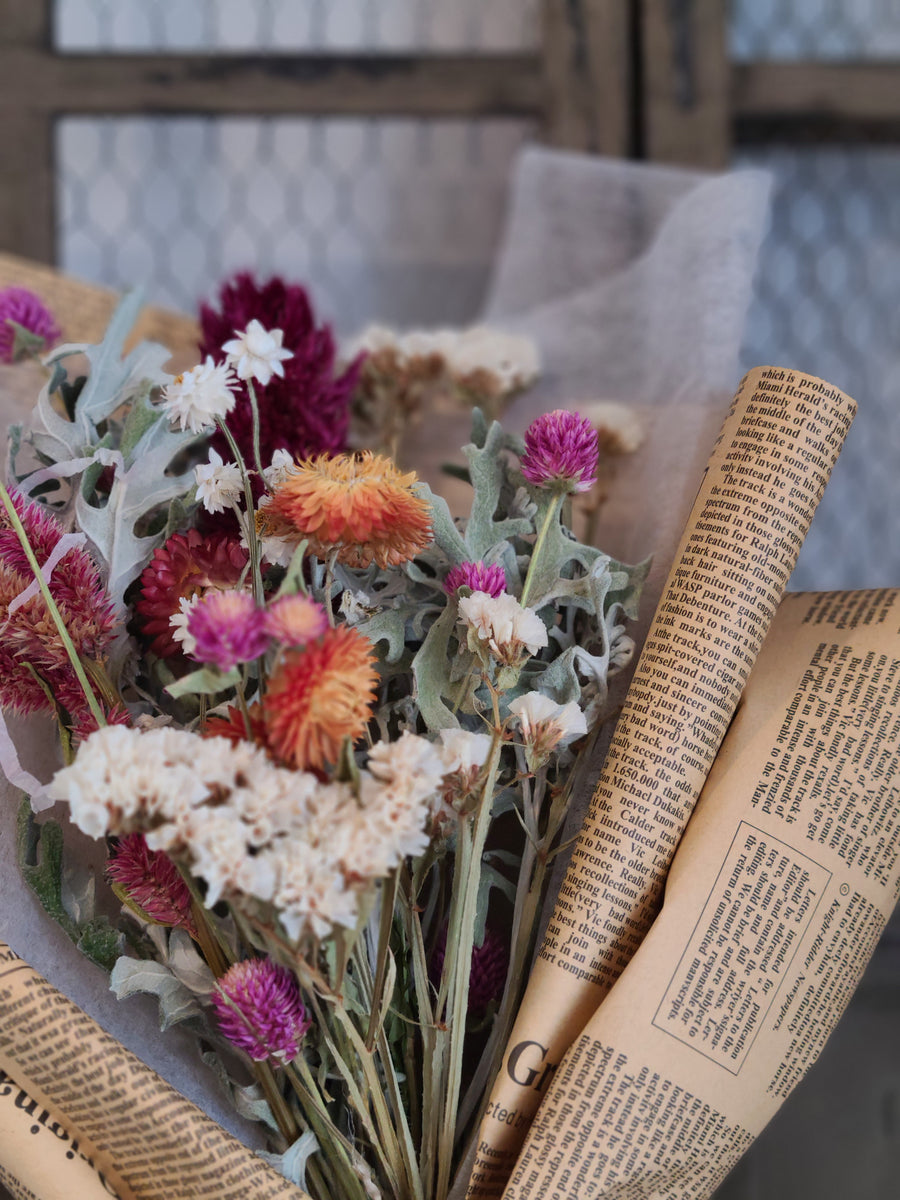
<point>31,649</point>
<point>186,565</point>
<point>295,620</point>
<point>308,410</point>
<point>478,576</point>
<point>22,307</point>
<point>357,504</point>
<point>228,628</point>
<point>490,963</point>
<point>561,450</point>
<point>151,880</point>
<point>258,1007</point>
<point>320,695</point>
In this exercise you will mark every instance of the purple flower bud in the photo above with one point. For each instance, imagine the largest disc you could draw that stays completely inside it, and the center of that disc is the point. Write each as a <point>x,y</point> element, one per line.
<point>228,629</point>
<point>24,308</point>
<point>257,1004</point>
<point>478,576</point>
<point>561,450</point>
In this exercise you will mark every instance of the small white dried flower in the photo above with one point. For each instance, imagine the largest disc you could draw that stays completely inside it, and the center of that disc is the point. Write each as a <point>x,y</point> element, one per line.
<point>541,717</point>
<point>257,353</point>
<point>462,750</point>
<point>219,484</point>
<point>500,624</point>
<point>179,623</point>
<point>199,396</point>
<point>279,469</point>
<point>620,428</point>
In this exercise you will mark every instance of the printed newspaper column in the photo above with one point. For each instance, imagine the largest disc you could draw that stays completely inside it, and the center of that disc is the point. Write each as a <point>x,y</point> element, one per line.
<point>38,1159</point>
<point>148,1141</point>
<point>763,481</point>
<point>779,891</point>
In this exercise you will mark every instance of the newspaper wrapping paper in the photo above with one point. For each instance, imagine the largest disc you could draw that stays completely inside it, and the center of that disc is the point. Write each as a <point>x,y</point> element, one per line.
<point>146,1141</point>
<point>783,882</point>
<point>671,253</point>
<point>760,489</point>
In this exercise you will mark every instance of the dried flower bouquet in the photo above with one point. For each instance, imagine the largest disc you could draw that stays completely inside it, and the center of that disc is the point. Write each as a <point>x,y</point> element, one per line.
<point>328,732</point>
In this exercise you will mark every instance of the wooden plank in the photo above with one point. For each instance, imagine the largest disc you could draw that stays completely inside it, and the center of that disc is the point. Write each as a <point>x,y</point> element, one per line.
<point>451,85</point>
<point>588,79</point>
<point>844,91</point>
<point>27,200</point>
<point>685,82</point>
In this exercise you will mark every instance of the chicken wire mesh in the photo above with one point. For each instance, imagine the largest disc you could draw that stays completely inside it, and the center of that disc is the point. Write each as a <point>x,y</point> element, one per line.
<point>394,219</point>
<point>287,25</point>
<point>814,29</point>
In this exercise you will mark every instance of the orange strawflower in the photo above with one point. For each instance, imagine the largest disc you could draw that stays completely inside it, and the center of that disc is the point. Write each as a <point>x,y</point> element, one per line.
<point>359,504</point>
<point>318,695</point>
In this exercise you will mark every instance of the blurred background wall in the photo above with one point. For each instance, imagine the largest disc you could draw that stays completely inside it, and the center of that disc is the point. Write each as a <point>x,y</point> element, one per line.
<point>364,146</point>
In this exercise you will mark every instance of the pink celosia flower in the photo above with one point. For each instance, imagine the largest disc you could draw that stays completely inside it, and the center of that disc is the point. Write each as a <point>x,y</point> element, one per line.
<point>22,307</point>
<point>307,411</point>
<point>30,646</point>
<point>150,879</point>
<point>490,962</point>
<point>561,451</point>
<point>258,1007</point>
<point>295,620</point>
<point>478,576</point>
<point>227,628</point>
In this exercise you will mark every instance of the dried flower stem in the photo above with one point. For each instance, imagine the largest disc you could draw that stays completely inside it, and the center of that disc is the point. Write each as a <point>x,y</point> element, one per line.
<point>56,615</point>
<point>254,417</point>
<point>534,562</point>
<point>460,940</point>
<point>252,540</point>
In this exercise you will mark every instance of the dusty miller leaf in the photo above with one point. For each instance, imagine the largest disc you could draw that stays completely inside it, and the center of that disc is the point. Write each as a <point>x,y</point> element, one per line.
<point>131,976</point>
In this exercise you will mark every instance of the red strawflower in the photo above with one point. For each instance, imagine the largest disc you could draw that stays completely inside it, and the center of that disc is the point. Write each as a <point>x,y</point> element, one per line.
<point>231,725</point>
<point>308,411</point>
<point>188,563</point>
<point>152,881</point>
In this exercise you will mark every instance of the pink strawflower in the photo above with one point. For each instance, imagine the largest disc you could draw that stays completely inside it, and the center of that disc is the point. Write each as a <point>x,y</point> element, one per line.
<point>561,450</point>
<point>490,963</point>
<point>31,648</point>
<point>150,879</point>
<point>258,1007</point>
<point>306,412</point>
<point>295,620</point>
<point>22,307</point>
<point>478,576</point>
<point>228,629</point>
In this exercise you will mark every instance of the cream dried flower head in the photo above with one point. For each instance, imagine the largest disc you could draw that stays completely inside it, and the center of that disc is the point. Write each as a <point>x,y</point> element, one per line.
<point>219,484</point>
<point>500,626</point>
<point>197,398</point>
<point>546,726</point>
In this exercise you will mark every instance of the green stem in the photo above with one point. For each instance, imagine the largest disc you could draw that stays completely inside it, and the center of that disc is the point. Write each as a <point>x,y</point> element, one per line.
<point>471,850</point>
<point>254,410</point>
<point>252,539</point>
<point>77,666</point>
<point>550,516</point>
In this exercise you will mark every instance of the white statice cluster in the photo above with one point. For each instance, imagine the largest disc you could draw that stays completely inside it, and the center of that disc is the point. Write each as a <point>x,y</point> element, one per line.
<point>512,360</point>
<point>500,625</point>
<point>252,830</point>
<point>197,398</point>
